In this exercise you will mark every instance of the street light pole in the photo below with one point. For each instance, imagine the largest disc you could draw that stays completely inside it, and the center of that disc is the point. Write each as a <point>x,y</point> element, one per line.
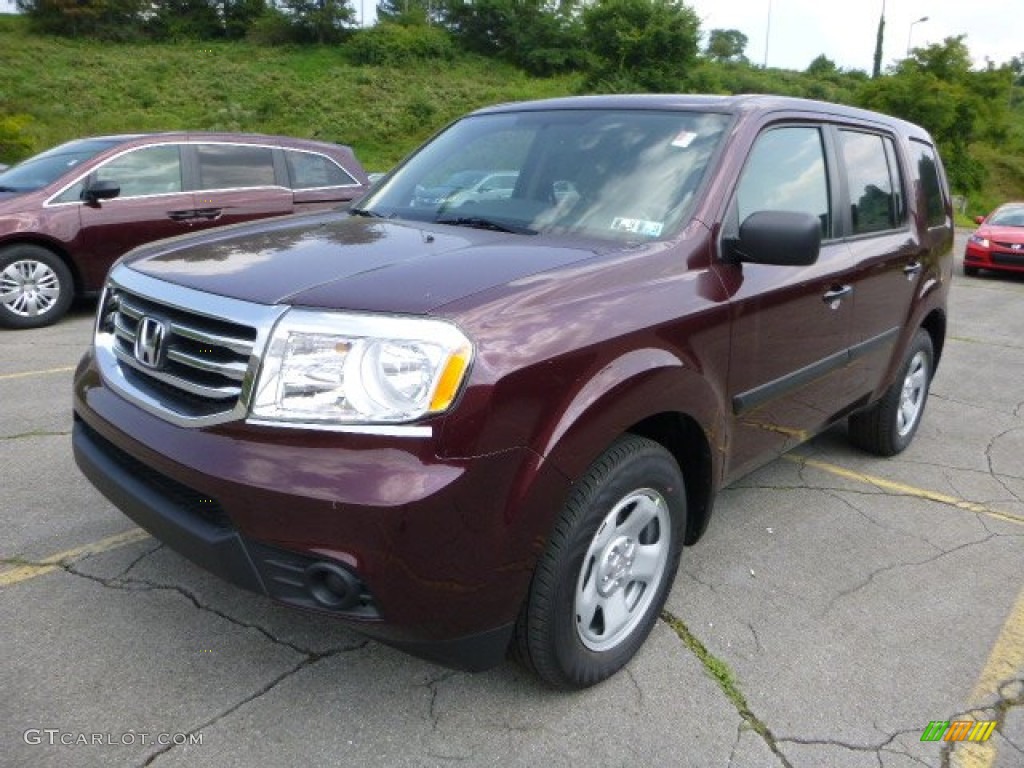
<point>910,33</point>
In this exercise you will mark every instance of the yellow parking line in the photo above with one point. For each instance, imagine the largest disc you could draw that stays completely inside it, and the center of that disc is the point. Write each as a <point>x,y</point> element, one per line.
<point>1005,663</point>
<point>1006,659</point>
<point>52,563</point>
<point>25,374</point>
<point>906,490</point>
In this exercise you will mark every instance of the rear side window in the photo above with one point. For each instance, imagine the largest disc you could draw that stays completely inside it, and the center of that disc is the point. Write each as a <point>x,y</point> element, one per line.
<point>230,166</point>
<point>310,171</point>
<point>872,181</point>
<point>931,188</point>
<point>786,172</point>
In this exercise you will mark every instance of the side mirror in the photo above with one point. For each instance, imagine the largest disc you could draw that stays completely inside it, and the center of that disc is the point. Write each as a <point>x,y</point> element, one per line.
<point>101,190</point>
<point>979,219</point>
<point>783,238</point>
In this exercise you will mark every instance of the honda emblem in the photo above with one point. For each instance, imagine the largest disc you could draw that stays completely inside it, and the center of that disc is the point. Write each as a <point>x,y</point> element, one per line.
<point>149,341</point>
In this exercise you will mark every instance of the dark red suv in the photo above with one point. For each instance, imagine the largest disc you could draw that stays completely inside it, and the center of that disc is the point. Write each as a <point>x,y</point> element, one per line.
<point>67,214</point>
<point>466,425</point>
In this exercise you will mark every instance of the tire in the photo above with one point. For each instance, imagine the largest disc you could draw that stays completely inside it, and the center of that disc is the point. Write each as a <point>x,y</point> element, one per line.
<point>36,287</point>
<point>971,271</point>
<point>629,506</point>
<point>888,426</point>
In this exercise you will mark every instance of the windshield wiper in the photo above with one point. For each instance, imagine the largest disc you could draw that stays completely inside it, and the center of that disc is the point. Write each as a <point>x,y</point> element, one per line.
<point>479,222</point>
<point>8,189</point>
<point>367,213</point>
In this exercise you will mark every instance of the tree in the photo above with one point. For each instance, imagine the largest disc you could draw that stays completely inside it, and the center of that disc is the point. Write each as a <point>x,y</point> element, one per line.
<point>184,19</point>
<point>106,19</point>
<point>319,21</point>
<point>646,44</point>
<point>408,12</point>
<point>822,66</point>
<point>937,89</point>
<point>1017,67</point>
<point>539,36</point>
<point>726,45</point>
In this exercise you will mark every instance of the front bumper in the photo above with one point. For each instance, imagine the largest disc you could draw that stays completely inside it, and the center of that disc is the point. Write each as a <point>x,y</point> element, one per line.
<point>997,259</point>
<point>441,552</point>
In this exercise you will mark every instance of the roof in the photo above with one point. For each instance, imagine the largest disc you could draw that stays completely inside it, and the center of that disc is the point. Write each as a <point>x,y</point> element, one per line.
<point>742,103</point>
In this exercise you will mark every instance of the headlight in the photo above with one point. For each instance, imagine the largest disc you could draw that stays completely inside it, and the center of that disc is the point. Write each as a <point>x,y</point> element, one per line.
<point>339,368</point>
<point>978,240</point>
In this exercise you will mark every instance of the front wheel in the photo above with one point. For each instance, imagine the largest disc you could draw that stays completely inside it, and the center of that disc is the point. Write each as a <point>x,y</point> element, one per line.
<point>35,287</point>
<point>888,426</point>
<point>608,567</point>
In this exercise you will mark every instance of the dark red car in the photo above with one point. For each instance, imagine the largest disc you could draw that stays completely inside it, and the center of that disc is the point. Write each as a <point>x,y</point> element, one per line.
<point>998,242</point>
<point>67,214</point>
<point>469,426</point>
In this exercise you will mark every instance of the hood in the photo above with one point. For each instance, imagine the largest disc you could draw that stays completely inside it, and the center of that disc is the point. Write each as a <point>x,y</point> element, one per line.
<point>337,261</point>
<point>1003,234</point>
<point>5,196</point>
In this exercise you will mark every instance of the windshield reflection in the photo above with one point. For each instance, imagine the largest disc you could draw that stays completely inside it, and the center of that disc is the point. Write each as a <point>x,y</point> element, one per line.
<point>610,174</point>
<point>40,170</point>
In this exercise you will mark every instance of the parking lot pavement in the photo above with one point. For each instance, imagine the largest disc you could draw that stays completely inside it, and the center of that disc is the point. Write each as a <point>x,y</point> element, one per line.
<point>837,606</point>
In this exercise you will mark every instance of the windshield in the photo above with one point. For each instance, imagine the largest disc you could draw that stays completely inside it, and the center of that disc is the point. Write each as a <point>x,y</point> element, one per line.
<point>1008,217</point>
<point>40,170</point>
<point>611,174</point>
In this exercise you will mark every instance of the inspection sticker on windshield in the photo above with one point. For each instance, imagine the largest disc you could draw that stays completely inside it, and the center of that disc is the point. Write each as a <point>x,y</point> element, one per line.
<point>637,226</point>
<point>684,139</point>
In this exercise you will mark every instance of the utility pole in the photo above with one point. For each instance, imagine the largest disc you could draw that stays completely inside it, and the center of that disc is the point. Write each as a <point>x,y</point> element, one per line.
<point>878,43</point>
<point>767,33</point>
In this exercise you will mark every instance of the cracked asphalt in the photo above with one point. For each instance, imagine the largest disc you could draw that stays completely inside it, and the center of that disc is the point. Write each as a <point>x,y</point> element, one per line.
<point>838,604</point>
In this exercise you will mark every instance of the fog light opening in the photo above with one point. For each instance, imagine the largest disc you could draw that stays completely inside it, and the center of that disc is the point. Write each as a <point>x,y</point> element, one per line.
<point>332,586</point>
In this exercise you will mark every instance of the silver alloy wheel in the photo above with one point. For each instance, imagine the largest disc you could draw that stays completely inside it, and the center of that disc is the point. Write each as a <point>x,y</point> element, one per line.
<point>29,288</point>
<point>915,387</point>
<point>622,570</point>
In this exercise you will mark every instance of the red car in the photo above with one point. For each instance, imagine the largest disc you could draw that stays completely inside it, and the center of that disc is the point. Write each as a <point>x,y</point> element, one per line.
<point>998,243</point>
<point>67,214</point>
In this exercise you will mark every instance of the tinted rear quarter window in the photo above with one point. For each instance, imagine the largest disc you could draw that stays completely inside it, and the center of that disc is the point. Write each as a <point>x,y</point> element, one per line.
<point>231,166</point>
<point>310,171</point>
<point>930,187</point>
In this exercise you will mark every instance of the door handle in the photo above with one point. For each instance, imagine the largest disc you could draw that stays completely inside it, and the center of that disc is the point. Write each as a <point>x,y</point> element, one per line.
<point>835,295</point>
<point>181,215</point>
<point>912,269</point>
<point>208,213</point>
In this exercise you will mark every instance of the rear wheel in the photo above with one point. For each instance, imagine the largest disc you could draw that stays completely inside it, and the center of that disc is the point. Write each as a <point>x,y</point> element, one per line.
<point>36,287</point>
<point>888,426</point>
<point>608,567</point>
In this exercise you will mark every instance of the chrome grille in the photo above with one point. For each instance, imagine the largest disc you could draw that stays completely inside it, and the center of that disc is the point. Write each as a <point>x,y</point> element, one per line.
<point>205,358</point>
<point>201,368</point>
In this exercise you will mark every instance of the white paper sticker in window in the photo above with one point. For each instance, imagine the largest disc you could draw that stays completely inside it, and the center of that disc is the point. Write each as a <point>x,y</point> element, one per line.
<point>637,226</point>
<point>684,139</point>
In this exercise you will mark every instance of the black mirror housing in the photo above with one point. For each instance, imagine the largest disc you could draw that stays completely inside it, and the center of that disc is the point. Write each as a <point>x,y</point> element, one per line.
<point>101,190</point>
<point>784,238</point>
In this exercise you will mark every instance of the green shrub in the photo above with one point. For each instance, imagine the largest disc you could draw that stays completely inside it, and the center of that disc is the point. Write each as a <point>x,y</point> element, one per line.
<point>388,44</point>
<point>15,141</point>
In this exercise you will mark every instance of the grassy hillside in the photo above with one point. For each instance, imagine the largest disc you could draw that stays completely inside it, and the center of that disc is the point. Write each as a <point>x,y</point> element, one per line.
<point>54,89</point>
<point>71,88</point>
